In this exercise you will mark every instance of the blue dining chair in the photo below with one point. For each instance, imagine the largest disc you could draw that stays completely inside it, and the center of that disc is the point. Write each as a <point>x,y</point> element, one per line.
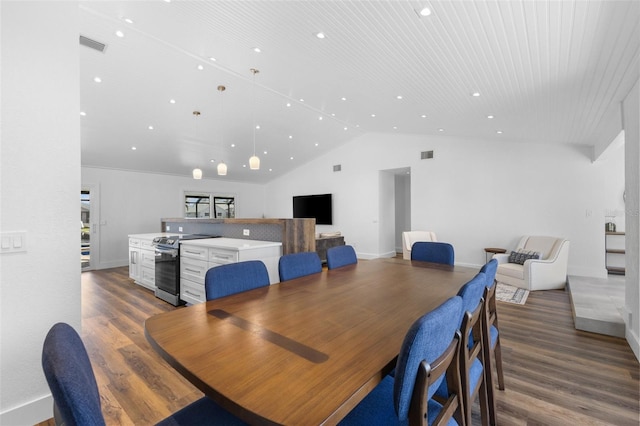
<point>295,265</point>
<point>472,361</point>
<point>232,278</point>
<point>491,335</point>
<point>427,356</point>
<point>76,397</point>
<point>339,256</point>
<point>431,251</point>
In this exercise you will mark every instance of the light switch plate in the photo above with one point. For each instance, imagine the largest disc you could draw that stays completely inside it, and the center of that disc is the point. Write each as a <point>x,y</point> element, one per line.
<point>13,242</point>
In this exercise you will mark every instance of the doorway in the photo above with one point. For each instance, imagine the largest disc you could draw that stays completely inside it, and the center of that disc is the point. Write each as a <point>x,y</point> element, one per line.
<point>85,228</point>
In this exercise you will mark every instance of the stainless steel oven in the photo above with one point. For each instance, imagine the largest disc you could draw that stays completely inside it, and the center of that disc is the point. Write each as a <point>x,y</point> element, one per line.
<point>167,266</point>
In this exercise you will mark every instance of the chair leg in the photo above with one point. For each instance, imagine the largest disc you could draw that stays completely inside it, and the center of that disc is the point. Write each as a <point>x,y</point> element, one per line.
<point>497,351</point>
<point>488,377</point>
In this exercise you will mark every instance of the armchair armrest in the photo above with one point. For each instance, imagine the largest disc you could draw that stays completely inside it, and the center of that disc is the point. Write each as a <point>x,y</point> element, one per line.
<point>501,258</point>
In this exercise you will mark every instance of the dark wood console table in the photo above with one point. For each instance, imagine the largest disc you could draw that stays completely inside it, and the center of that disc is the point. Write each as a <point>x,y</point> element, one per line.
<point>324,243</point>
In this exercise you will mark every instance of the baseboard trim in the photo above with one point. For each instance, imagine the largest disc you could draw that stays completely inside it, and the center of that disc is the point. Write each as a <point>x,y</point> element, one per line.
<point>31,413</point>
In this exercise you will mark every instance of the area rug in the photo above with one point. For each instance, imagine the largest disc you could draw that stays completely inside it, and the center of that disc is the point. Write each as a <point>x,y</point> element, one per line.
<point>510,294</point>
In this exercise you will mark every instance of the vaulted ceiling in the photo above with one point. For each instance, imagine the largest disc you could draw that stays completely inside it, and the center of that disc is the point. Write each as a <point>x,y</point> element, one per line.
<point>545,71</point>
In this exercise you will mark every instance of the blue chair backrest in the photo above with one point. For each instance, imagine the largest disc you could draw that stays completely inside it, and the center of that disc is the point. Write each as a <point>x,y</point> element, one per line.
<point>297,265</point>
<point>490,269</point>
<point>233,278</point>
<point>341,256</point>
<point>427,339</point>
<point>472,293</point>
<point>432,251</point>
<point>70,377</point>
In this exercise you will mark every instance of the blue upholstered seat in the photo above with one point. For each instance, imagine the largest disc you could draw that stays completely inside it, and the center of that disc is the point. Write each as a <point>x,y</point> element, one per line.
<point>431,251</point>
<point>472,370</point>
<point>233,278</point>
<point>297,265</point>
<point>341,256</point>
<point>429,337</point>
<point>68,371</point>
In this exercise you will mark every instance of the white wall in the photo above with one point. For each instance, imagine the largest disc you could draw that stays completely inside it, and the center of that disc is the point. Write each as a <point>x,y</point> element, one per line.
<point>631,114</point>
<point>40,181</point>
<point>473,193</point>
<point>134,203</point>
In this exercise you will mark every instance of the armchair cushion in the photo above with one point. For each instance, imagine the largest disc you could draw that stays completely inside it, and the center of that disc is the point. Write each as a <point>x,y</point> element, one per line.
<point>410,237</point>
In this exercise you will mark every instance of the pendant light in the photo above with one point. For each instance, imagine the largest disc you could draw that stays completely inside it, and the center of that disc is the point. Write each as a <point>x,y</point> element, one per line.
<point>222,168</point>
<point>197,173</point>
<point>254,162</point>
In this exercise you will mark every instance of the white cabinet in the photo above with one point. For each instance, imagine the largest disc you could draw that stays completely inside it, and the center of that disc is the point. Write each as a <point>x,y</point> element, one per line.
<point>198,256</point>
<point>142,259</point>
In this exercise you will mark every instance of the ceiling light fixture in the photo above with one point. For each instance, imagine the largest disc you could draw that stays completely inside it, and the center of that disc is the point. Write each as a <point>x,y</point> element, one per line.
<point>119,34</point>
<point>254,162</point>
<point>197,173</point>
<point>475,94</point>
<point>222,168</point>
<point>97,79</point>
<point>489,116</point>
<point>320,35</point>
<point>425,11</point>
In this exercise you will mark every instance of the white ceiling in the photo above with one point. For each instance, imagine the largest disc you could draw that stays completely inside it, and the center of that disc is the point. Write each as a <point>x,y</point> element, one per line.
<point>548,71</point>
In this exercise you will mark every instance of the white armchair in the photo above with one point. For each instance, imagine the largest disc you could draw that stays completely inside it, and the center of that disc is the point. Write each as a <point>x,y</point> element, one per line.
<point>410,237</point>
<point>547,273</point>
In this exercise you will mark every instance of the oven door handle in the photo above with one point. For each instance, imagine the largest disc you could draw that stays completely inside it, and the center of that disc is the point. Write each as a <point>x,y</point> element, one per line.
<point>161,251</point>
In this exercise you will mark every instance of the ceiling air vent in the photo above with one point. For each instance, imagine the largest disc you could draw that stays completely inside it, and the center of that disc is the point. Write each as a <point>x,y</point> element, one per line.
<point>425,155</point>
<point>92,44</point>
<point>337,167</point>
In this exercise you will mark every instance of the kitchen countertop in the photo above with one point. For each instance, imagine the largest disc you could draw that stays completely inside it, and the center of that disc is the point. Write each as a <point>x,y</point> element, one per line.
<point>232,243</point>
<point>151,236</point>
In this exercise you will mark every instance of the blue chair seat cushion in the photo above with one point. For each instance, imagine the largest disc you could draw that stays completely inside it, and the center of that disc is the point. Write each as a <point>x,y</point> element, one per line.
<point>202,412</point>
<point>376,409</point>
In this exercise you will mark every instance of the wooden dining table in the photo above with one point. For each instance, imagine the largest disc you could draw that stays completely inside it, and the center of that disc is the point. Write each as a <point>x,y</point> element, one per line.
<point>305,351</point>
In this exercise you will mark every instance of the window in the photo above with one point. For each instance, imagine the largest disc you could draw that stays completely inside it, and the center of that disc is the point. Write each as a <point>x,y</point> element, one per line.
<point>198,205</point>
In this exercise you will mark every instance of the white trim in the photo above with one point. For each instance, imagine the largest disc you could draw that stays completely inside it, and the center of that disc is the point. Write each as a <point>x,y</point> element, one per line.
<point>31,413</point>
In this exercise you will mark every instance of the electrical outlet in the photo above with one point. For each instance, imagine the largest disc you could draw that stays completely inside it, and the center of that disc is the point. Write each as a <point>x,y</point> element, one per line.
<point>179,228</point>
<point>246,232</point>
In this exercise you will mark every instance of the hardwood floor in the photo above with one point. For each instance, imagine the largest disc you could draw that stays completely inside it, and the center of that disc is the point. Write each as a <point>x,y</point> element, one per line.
<point>554,374</point>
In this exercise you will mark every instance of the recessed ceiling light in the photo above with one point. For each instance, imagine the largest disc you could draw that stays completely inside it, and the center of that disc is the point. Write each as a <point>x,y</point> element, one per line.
<point>489,116</point>
<point>257,127</point>
<point>333,114</point>
<point>233,145</point>
<point>288,104</point>
<point>119,33</point>
<point>343,98</point>
<point>291,158</point>
<point>320,35</point>
<point>244,165</point>
<point>346,128</point>
<point>264,152</point>
<point>270,170</point>
<point>320,118</point>
<point>499,132</point>
<point>212,160</point>
<point>425,11</point>
<point>128,20</point>
<point>441,130</point>
<point>212,59</point>
<point>316,144</point>
<point>200,67</point>
<point>150,127</point>
<point>399,97</point>
<point>97,79</point>
<point>167,1</point>
<point>424,116</point>
<point>475,94</point>
<point>290,136</point>
<point>395,127</point>
<point>373,115</point>
<point>133,148</point>
<point>172,101</point>
<point>301,100</point>
<point>82,113</point>
<point>257,49</point>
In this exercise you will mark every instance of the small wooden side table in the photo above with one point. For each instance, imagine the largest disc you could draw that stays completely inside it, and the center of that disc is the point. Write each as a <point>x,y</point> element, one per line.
<point>492,250</point>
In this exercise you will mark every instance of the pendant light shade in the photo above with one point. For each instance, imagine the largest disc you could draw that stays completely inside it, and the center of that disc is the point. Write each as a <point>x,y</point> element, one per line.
<point>254,162</point>
<point>222,169</point>
<point>197,174</point>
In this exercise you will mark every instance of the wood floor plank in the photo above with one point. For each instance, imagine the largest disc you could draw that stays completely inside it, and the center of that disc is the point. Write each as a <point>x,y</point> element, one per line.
<point>554,374</point>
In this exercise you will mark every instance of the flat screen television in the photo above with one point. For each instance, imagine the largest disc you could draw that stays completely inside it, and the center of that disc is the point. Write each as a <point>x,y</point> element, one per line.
<point>318,207</point>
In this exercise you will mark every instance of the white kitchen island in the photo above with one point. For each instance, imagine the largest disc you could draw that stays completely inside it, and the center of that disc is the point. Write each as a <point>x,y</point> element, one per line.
<point>198,256</point>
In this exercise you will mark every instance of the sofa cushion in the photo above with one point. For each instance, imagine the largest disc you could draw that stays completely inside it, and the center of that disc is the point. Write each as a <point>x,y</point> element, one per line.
<point>543,245</point>
<point>521,256</point>
<point>514,270</point>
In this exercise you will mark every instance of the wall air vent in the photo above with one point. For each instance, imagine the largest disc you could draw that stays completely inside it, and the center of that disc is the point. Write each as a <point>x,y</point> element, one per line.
<point>337,168</point>
<point>92,44</point>
<point>425,155</point>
